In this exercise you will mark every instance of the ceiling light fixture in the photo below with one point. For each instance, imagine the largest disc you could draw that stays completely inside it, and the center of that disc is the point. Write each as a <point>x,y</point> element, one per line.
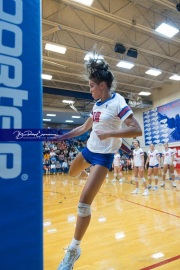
<point>46,77</point>
<point>125,64</point>
<point>50,114</point>
<point>84,2</point>
<point>144,93</point>
<point>55,48</point>
<point>68,101</point>
<point>175,77</point>
<point>76,116</point>
<point>69,121</point>
<point>167,30</point>
<point>153,72</point>
<point>46,120</point>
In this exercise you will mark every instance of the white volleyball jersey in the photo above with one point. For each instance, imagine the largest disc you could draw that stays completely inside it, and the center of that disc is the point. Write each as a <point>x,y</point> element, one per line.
<point>117,160</point>
<point>137,154</point>
<point>153,157</point>
<point>168,156</point>
<point>108,115</point>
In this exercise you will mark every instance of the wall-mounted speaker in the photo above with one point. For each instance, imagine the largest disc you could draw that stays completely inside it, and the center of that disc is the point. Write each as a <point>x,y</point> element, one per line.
<point>119,48</point>
<point>132,53</point>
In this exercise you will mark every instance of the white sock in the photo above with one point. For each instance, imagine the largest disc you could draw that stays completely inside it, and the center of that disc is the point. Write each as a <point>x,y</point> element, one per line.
<point>74,244</point>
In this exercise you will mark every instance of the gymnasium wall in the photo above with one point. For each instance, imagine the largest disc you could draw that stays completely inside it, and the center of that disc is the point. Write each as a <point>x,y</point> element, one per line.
<point>160,96</point>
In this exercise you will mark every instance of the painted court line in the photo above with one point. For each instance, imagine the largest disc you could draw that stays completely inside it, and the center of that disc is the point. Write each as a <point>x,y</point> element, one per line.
<point>161,263</point>
<point>141,205</point>
<point>152,208</point>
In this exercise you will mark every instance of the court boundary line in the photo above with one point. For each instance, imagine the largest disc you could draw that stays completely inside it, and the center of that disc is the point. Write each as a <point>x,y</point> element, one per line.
<point>145,206</point>
<point>161,263</point>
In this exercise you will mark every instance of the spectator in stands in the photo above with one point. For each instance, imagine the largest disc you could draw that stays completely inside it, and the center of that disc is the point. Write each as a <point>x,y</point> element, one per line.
<point>53,168</point>
<point>71,153</point>
<point>65,167</point>
<point>58,166</point>
<point>46,168</point>
<point>47,155</point>
<point>52,153</point>
<point>61,157</point>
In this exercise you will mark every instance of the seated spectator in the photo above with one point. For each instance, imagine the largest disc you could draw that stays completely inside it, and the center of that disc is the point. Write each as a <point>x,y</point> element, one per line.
<point>58,166</point>
<point>53,168</point>
<point>71,154</point>
<point>52,153</point>
<point>47,155</point>
<point>46,167</point>
<point>65,167</point>
<point>61,157</point>
<point>53,159</point>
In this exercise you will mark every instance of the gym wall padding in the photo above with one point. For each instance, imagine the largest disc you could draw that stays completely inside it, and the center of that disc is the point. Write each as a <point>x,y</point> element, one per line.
<point>21,225</point>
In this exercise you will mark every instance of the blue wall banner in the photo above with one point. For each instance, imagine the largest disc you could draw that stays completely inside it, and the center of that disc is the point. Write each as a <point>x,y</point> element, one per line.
<point>21,226</point>
<point>162,124</point>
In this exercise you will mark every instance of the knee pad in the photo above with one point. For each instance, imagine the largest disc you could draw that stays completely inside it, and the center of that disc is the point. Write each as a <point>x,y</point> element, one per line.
<point>149,177</point>
<point>163,174</point>
<point>143,179</point>
<point>84,210</point>
<point>172,174</point>
<point>135,179</point>
<point>156,177</point>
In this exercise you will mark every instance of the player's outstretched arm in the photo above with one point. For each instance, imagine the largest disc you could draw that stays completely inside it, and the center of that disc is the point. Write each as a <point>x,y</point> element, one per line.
<point>76,131</point>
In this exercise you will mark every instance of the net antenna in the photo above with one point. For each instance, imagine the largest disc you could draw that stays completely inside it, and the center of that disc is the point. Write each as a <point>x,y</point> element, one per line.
<point>76,110</point>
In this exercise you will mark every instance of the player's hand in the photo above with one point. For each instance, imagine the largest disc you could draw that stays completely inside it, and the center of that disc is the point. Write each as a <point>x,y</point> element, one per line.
<point>102,135</point>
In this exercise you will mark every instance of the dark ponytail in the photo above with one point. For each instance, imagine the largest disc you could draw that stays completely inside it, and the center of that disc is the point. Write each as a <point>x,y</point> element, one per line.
<point>98,71</point>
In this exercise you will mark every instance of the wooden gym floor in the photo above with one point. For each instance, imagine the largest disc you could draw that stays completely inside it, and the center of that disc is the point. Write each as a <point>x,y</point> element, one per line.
<point>128,232</point>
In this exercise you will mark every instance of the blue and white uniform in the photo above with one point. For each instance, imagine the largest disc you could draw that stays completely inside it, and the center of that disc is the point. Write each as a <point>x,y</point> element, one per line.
<point>137,154</point>
<point>117,160</point>
<point>168,155</point>
<point>108,115</point>
<point>153,158</point>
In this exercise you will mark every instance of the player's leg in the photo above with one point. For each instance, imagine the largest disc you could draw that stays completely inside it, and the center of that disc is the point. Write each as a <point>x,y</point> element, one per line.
<point>91,188</point>
<point>165,167</point>
<point>150,170</point>
<point>119,174</point>
<point>115,174</point>
<point>155,173</point>
<point>141,174</point>
<point>78,165</point>
<point>136,171</point>
<point>171,168</point>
